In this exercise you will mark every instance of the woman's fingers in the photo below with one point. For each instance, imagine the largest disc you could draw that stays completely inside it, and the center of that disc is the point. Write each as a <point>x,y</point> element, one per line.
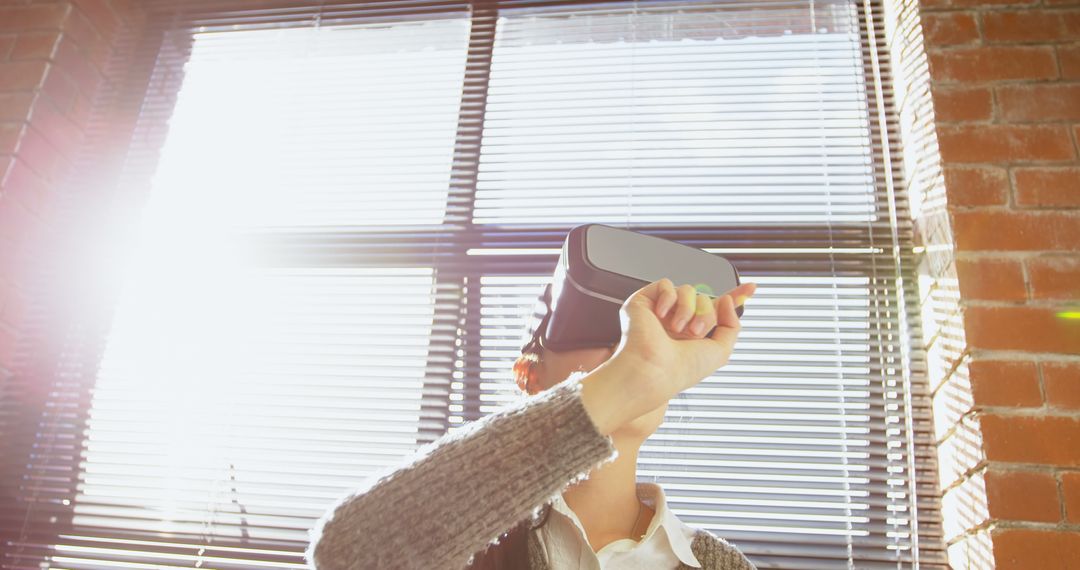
<point>726,305</point>
<point>704,316</point>
<point>743,292</point>
<point>688,312</point>
<point>684,307</point>
<point>666,297</point>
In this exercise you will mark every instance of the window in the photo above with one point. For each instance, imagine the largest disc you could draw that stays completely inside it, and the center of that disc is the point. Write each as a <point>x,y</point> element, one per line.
<point>355,207</point>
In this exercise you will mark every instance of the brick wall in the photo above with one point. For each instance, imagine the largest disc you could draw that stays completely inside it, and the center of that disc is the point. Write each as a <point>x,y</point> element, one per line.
<point>53,70</point>
<point>1005,82</point>
<point>65,67</point>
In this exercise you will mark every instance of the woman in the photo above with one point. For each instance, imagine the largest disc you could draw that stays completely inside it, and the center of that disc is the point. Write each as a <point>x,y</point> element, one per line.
<point>572,442</point>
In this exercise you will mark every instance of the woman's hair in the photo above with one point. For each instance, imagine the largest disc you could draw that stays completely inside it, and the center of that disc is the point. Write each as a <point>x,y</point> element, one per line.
<point>527,368</point>
<point>511,552</point>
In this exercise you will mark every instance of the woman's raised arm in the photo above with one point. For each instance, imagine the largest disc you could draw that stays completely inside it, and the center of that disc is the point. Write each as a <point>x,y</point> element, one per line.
<point>457,494</point>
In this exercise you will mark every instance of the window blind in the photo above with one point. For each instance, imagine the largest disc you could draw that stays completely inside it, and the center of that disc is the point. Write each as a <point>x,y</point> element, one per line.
<point>354,206</point>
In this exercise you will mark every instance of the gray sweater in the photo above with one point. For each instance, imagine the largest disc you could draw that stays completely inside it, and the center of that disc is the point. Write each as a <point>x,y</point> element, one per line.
<point>455,495</point>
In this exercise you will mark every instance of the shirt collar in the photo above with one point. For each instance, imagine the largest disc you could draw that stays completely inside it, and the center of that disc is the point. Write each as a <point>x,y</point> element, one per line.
<point>679,535</point>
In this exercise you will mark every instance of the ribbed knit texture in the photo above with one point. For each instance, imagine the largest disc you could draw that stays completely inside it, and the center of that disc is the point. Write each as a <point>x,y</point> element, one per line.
<point>454,496</point>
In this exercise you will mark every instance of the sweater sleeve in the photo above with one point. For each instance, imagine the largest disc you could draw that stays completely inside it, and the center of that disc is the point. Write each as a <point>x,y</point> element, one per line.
<point>458,493</point>
<point>715,553</point>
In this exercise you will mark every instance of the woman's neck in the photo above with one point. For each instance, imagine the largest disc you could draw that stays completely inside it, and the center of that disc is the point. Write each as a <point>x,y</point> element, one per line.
<point>606,503</point>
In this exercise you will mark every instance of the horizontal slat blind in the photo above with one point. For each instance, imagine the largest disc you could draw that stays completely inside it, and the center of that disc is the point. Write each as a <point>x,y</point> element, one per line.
<point>307,380</point>
<point>406,172</point>
<point>647,112</point>
<point>344,114</point>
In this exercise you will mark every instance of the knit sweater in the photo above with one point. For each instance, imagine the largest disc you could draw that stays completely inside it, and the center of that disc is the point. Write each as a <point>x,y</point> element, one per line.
<point>455,495</point>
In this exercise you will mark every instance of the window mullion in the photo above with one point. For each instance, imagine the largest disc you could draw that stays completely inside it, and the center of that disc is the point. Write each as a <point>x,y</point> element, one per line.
<point>459,211</point>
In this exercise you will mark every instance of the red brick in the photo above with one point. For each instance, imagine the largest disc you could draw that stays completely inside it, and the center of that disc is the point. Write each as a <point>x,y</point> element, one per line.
<point>1047,187</point>
<point>1070,491</point>
<point>125,10</point>
<point>36,45</point>
<point>21,75</point>
<point>1022,496</point>
<point>977,230</point>
<point>1005,383</point>
<point>25,186</point>
<point>15,106</point>
<point>88,89</point>
<point>1023,26</point>
<point>10,133</point>
<point>57,128</point>
<point>7,41</point>
<point>1069,57</point>
<point>1049,440</point>
<point>1054,278</point>
<point>976,186</point>
<point>78,67</point>
<point>38,16</point>
<point>42,157</point>
<point>925,5</point>
<point>1027,549</point>
<point>79,29</point>
<point>60,90</point>
<point>945,28</point>
<point>1002,143</point>
<point>1031,329</point>
<point>16,222</point>
<point>993,63</point>
<point>1062,381</point>
<point>962,104</point>
<point>1041,102</point>
<point>101,15</point>
<point>1071,20</point>
<point>80,110</point>
<point>991,279</point>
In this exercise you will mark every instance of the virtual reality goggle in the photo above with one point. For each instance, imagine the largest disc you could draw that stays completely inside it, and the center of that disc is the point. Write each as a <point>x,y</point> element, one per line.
<point>599,268</point>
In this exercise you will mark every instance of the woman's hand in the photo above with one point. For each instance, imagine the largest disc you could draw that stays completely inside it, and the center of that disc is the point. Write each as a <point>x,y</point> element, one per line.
<point>664,333</point>
<point>663,351</point>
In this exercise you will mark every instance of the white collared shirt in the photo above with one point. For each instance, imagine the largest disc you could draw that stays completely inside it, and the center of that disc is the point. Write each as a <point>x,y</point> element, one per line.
<point>666,542</point>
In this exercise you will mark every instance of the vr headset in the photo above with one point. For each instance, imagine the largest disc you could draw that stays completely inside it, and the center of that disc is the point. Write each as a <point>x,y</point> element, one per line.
<point>600,267</point>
